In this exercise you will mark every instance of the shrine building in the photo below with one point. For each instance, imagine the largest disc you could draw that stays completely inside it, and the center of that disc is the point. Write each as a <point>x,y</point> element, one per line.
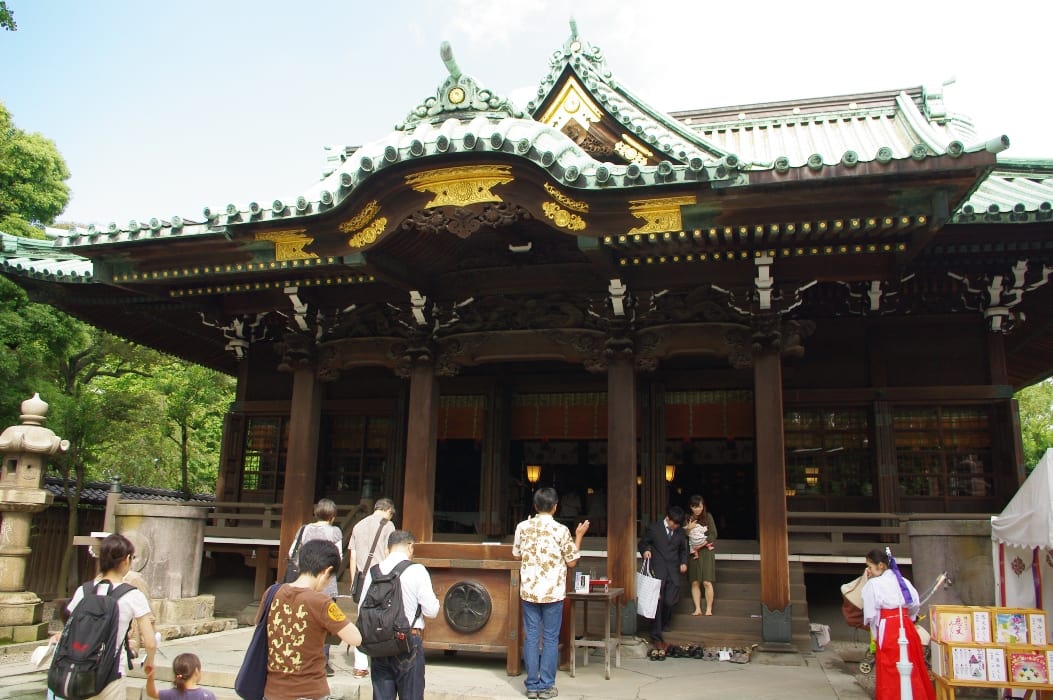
<point>819,307</point>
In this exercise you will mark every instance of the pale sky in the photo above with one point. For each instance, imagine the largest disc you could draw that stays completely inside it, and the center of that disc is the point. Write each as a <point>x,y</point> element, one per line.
<point>162,108</point>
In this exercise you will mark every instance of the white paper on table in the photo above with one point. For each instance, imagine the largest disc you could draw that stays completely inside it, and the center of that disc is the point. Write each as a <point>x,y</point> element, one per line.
<point>1037,625</point>
<point>982,627</point>
<point>996,665</point>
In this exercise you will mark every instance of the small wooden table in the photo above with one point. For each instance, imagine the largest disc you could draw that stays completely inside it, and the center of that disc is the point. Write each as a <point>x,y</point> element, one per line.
<point>612,600</point>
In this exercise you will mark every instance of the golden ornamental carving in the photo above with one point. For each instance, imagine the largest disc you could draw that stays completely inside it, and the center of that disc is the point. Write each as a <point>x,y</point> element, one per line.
<point>288,244</point>
<point>563,218</point>
<point>572,204</point>
<point>633,151</point>
<point>572,103</point>
<point>461,186</point>
<point>361,218</point>
<point>369,234</point>
<point>659,215</point>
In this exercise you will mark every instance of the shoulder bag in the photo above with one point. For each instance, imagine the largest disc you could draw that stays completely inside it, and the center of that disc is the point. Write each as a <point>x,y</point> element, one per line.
<point>356,584</point>
<point>252,676</point>
<point>292,566</point>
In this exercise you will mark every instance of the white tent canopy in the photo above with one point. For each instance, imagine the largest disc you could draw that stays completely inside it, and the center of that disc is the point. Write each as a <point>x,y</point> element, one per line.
<point>1022,542</point>
<point>1028,519</point>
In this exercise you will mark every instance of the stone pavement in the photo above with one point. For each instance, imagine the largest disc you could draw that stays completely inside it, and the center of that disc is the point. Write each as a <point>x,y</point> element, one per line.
<point>811,675</point>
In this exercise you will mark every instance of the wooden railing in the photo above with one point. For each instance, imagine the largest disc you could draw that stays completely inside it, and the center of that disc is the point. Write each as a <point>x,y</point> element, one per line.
<point>263,521</point>
<point>820,533</point>
<point>853,534</point>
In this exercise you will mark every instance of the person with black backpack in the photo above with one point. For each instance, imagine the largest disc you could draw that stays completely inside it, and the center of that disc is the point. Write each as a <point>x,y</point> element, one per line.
<point>398,596</point>
<point>87,661</point>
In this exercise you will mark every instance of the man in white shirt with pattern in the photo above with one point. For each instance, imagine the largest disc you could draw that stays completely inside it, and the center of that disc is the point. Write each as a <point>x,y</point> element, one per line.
<point>547,552</point>
<point>403,675</point>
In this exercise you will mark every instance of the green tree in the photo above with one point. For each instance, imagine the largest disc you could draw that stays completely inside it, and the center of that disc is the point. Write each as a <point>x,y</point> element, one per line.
<point>33,178</point>
<point>86,413</point>
<point>7,18</point>
<point>1036,420</point>
<point>195,400</point>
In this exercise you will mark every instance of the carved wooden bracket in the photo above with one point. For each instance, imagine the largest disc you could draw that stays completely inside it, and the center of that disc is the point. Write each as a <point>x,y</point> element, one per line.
<point>766,333</point>
<point>297,351</point>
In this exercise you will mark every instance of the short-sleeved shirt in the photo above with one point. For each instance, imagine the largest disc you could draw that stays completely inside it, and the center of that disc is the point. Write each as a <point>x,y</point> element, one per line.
<point>362,536</point>
<point>131,606</point>
<point>326,533</point>
<point>297,623</point>
<point>545,546</point>
<point>195,694</point>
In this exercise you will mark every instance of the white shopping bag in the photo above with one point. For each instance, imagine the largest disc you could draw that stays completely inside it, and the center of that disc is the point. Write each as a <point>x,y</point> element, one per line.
<point>648,591</point>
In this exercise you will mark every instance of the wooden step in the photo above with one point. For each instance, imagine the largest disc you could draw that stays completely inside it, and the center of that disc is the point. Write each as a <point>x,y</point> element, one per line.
<point>737,610</point>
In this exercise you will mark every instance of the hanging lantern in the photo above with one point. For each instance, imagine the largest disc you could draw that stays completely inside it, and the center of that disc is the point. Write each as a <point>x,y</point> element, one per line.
<point>639,480</point>
<point>533,472</point>
<point>670,472</point>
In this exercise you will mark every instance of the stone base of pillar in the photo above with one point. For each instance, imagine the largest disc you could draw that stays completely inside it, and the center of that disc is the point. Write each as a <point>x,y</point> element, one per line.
<point>184,610</point>
<point>22,608</point>
<point>185,617</point>
<point>23,633</point>
<point>776,625</point>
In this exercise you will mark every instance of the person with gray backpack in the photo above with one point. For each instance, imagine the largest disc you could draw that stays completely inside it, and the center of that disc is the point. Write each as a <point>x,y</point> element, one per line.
<point>398,596</point>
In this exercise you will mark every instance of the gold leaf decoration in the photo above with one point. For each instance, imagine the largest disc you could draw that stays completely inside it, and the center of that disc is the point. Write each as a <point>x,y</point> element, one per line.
<point>369,234</point>
<point>659,215</point>
<point>572,204</point>
<point>288,244</point>
<point>563,218</point>
<point>361,218</point>
<point>572,103</point>
<point>461,186</point>
<point>632,150</point>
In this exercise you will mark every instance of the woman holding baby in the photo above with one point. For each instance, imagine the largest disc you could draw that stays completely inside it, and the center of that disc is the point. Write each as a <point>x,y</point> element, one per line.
<point>701,533</point>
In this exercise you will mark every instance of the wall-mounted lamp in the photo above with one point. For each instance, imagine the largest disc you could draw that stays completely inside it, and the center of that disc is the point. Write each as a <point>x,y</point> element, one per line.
<point>811,475</point>
<point>670,472</point>
<point>639,481</point>
<point>533,473</point>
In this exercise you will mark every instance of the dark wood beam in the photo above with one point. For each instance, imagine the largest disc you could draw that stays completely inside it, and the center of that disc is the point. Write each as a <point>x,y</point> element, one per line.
<point>773,532</point>
<point>418,501</point>
<point>301,457</point>
<point>621,475</point>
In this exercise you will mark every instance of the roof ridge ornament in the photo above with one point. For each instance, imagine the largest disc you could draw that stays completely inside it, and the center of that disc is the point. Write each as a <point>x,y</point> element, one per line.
<point>460,96</point>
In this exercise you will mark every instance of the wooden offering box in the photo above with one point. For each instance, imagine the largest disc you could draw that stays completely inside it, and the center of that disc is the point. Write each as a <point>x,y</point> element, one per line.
<point>478,588</point>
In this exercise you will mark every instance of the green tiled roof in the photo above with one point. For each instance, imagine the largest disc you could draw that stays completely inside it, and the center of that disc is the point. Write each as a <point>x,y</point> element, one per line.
<point>705,146</point>
<point>1018,191</point>
<point>901,124</point>
<point>27,257</point>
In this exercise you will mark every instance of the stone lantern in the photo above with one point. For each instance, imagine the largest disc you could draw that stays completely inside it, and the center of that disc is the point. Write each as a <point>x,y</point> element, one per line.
<point>25,450</point>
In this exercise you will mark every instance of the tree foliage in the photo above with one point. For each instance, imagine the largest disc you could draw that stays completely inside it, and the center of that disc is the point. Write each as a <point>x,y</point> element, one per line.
<point>7,18</point>
<point>33,176</point>
<point>1036,420</point>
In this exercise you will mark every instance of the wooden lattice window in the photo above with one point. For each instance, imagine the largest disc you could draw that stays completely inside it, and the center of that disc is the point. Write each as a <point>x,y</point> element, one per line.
<point>263,459</point>
<point>828,452</point>
<point>943,452</point>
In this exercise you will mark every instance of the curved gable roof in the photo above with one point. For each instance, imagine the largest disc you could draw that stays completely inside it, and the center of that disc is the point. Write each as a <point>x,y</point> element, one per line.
<point>579,70</point>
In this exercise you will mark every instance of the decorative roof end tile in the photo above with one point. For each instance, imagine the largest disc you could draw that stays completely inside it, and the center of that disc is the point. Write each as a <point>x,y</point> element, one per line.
<point>460,96</point>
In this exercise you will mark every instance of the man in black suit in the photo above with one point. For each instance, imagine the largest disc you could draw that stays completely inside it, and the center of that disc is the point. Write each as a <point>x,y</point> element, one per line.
<point>665,545</point>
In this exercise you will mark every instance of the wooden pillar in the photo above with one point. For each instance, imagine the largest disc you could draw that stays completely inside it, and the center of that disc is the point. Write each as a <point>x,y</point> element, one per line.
<point>301,457</point>
<point>418,500</point>
<point>1009,467</point>
<point>771,480</point>
<point>493,505</point>
<point>621,474</point>
<point>885,453</point>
